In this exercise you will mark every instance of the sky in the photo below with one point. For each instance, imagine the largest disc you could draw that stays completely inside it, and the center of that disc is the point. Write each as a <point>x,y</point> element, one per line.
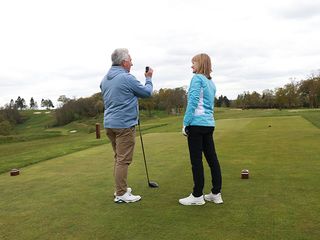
<point>50,48</point>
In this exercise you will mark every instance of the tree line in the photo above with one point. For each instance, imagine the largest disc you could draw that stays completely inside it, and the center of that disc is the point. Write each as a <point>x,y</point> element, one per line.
<point>75,109</point>
<point>169,100</point>
<point>305,93</point>
<point>10,115</point>
<point>172,101</point>
<point>20,103</point>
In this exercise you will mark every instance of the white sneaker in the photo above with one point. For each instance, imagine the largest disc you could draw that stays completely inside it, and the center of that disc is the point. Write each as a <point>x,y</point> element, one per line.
<point>129,190</point>
<point>127,198</point>
<point>191,200</point>
<point>216,198</point>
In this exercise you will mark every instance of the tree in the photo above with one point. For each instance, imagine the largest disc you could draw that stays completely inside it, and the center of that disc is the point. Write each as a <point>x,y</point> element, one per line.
<point>147,104</point>
<point>179,98</point>
<point>171,100</point>
<point>63,99</point>
<point>33,104</point>
<point>99,106</point>
<point>225,102</point>
<point>222,101</point>
<point>98,102</point>
<point>243,100</point>
<point>20,103</point>
<point>268,99</point>
<point>12,104</point>
<point>47,103</point>
<point>254,100</point>
<point>281,98</point>
<point>219,101</point>
<point>292,95</point>
<point>309,91</point>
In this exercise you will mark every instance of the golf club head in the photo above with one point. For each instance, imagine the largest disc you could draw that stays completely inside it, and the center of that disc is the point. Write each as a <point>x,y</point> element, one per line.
<point>153,185</point>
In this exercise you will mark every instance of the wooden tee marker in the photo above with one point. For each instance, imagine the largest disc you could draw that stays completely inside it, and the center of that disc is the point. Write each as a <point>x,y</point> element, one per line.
<point>245,174</point>
<point>14,172</point>
<point>97,130</point>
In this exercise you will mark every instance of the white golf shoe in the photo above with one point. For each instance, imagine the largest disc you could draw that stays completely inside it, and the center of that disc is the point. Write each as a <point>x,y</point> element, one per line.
<point>216,198</point>
<point>191,200</point>
<point>127,198</point>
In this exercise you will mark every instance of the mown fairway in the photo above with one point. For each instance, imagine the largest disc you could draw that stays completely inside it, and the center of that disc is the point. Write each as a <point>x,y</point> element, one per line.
<point>70,197</point>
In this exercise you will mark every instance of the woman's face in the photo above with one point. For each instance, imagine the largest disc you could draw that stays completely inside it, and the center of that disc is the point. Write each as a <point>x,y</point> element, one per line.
<point>194,67</point>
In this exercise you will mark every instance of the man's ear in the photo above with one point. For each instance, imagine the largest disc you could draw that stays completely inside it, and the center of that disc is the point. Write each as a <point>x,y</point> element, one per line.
<point>123,63</point>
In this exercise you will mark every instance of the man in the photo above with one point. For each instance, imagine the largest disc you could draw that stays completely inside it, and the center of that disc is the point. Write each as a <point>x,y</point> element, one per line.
<point>120,91</point>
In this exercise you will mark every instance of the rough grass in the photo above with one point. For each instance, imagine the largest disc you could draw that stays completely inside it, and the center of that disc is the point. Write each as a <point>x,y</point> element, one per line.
<point>70,197</point>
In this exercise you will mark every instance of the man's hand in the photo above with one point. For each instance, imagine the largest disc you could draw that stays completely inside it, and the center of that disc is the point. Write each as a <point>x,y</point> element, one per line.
<point>149,73</point>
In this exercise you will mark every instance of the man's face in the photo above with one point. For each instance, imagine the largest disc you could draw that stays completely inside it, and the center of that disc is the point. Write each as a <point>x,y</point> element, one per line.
<point>127,64</point>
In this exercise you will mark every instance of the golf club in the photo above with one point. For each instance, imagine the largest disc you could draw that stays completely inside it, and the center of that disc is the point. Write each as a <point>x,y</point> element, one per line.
<point>151,184</point>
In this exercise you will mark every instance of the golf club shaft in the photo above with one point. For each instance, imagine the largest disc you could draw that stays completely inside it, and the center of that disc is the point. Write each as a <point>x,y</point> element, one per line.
<point>144,156</point>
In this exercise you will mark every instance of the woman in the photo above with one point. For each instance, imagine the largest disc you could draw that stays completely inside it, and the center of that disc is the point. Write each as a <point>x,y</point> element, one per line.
<point>198,126</point>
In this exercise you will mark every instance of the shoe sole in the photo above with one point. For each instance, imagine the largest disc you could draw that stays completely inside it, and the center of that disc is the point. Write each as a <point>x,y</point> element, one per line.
<point>193,204</point>
<point>122,201</point>
<point>209,200</point>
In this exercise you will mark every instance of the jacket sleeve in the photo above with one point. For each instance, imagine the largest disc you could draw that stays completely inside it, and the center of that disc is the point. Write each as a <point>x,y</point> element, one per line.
<point>193,99</point>
<point>139,90</point>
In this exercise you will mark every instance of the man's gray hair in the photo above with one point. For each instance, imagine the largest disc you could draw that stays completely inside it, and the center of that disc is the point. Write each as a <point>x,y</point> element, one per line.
<point>119,55</point>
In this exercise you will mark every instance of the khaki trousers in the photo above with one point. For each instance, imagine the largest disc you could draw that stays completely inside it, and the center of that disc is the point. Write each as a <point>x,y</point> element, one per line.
<point>123,141</point>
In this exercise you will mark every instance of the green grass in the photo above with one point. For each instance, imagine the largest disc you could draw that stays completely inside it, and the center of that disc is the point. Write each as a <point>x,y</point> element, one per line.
<point>70,197</point>
<point>21,154</point>
<point>36,141</point>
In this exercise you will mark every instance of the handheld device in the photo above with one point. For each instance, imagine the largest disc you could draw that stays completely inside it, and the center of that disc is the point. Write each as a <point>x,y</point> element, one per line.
<point>147,69</point>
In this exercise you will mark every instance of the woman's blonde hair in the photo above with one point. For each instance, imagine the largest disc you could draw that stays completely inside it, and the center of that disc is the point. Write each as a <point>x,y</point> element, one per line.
<point>204,64</point>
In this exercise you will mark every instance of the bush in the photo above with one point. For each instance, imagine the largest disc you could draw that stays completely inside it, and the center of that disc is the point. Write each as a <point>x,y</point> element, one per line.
<point>5,128</point>
<point>10,114</point>
<point>78,109</point>
<point>9,117</point>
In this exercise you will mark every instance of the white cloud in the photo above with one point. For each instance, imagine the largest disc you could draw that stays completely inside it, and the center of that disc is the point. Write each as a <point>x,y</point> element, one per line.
<point>297,9</point>
<point>52,48</point>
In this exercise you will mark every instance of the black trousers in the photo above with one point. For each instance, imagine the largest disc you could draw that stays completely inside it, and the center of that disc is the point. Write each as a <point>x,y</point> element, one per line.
<point>200,140</point>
